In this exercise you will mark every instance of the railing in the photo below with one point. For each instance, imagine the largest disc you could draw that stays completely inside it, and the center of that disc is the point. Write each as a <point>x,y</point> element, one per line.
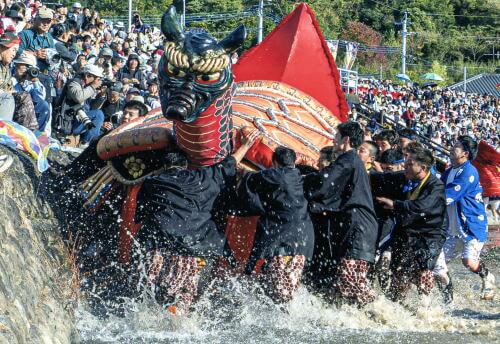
<point>368,113</point>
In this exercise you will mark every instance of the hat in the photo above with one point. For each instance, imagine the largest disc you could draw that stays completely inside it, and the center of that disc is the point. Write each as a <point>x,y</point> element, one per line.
<point>134,90</point>
<point>77,5</point>
<point>45,13</point>
<point>106,52</point>
<point>86,46</point>
<point>27,59</point>
<point>119,24</point>
<point>137,103</point>
<point>93,70</point>
<point>9,39</point>
<point>14,14</point>
<point>117,87</point>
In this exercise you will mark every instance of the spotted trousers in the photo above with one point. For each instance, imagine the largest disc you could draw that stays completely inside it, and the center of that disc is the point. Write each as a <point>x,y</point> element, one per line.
<point>402,280</point>
<point>176,280</point>
<point>280,276</point>
<point>352,281</point>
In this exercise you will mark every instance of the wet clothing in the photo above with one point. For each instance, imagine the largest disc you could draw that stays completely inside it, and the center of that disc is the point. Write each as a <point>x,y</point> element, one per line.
<point>176,280</point>
<point>342,192</point>
<point>420,225</point>
<point>284,227</point>
<point>391,188</point>
<point>280,276</point>
<point>352,281</point>
<point>175,208</point>
<point>464,198</point>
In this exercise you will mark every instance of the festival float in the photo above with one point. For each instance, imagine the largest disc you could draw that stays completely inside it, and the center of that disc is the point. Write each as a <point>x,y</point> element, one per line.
<point>287,87</point>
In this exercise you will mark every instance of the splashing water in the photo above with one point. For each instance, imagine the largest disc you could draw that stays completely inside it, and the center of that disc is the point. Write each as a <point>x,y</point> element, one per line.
<point>242,315</point>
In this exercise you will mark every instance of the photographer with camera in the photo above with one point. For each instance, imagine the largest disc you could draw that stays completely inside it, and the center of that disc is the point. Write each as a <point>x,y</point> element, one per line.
<point>76,116</point>
<point>39,42</point>
<point>104,61</point>
<point>26,76</point>
<point>112,107</point>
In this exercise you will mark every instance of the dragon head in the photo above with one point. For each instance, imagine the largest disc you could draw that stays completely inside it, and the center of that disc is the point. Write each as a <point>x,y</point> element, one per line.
<point>195,69</point>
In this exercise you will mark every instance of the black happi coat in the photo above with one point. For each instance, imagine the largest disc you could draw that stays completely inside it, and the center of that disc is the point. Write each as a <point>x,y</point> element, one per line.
<point>421,224</point>
<point>284,227</point>
<point>342,192</point>
<point>389,185</point>
<point>176,209</point>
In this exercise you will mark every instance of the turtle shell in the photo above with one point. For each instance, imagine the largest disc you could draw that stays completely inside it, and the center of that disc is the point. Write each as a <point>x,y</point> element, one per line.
<point>286,117</point>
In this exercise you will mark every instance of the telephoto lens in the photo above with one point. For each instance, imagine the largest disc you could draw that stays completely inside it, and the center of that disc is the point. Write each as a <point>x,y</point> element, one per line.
<point>33,72</point>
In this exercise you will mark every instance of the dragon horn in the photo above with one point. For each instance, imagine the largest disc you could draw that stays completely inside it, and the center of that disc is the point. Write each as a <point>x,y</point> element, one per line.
<point>234,40</point>
<point>170,27</point>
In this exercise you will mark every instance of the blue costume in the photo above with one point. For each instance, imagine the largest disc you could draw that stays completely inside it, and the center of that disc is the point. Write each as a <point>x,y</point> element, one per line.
<point>466,193</point>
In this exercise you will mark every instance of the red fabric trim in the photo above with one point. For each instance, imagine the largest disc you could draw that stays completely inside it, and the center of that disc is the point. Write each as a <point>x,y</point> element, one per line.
<point>128,228</point>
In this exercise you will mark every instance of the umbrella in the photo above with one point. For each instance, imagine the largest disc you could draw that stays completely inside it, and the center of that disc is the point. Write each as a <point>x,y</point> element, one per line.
<point>403,77</point>
<point>429,84</point>
<point>431,76</point>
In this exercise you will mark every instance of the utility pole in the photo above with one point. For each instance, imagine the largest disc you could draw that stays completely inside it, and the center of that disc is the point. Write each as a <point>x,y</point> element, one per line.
<point>260,28</point>
<point>183,20</point>
<point>403,48</point>
<point>465,79</point>
<point>129,15</point>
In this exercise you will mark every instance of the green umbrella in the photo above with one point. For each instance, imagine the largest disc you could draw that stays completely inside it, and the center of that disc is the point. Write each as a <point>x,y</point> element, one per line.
<point>431,76</point>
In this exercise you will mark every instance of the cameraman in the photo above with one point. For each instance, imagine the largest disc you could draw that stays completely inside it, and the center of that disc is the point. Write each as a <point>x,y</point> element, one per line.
<point>38,41</point>
<point>112,107</point>
<point>104,61</point>
<point>26,76</point>
<point>76,104</point>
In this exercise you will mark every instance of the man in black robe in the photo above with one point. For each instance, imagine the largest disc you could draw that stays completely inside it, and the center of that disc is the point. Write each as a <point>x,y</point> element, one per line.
<point>284,237</point>
<point>342,192</point>
<point>175,208</point>
<point>420,225</point>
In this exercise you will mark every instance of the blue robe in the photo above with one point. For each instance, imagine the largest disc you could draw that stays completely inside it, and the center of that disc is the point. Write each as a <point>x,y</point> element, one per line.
<point>466,192</point>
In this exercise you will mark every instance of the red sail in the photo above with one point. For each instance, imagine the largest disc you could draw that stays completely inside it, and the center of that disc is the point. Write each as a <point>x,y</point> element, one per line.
<point>487,163</point>
<point>296,53</point>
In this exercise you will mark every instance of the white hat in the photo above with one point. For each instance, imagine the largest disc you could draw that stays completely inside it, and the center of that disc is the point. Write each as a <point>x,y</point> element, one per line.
<point>27,59</point>
<point>94,70</point>
<point>119,24</point>
<point>77,5</point>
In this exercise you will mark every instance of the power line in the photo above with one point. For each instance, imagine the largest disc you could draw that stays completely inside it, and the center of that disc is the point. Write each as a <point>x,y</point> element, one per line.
<point>462,15</point>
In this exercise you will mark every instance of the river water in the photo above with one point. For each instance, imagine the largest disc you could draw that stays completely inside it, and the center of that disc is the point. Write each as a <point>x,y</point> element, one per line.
<point>244,317</point>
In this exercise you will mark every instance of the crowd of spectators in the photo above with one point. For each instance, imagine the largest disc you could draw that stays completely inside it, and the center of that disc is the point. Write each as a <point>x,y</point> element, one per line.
<point>69,73</point>
<point>440,114</point>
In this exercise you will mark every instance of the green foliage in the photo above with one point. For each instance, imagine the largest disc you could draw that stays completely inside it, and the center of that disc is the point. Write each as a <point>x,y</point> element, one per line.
<point>452,32</point>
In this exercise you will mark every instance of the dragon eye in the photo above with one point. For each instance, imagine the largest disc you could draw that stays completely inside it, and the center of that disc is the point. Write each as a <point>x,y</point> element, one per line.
<point>174,71</point>
<point>208,78</point>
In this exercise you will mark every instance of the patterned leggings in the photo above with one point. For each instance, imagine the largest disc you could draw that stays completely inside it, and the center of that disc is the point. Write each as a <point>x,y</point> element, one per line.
<point>176,278</point>
<point>402,279</point>
<point>281,275</point>
<point>352,281</point>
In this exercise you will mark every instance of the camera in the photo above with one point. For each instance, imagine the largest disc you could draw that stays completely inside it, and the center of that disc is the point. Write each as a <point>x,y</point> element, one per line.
<point>32,72</point>
<point>53,58</point>
<point>116,118</point>
<point>81,116</point>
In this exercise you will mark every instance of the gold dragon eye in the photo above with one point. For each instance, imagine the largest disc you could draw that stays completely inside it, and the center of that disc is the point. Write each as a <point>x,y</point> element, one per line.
<point>208,78</point>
